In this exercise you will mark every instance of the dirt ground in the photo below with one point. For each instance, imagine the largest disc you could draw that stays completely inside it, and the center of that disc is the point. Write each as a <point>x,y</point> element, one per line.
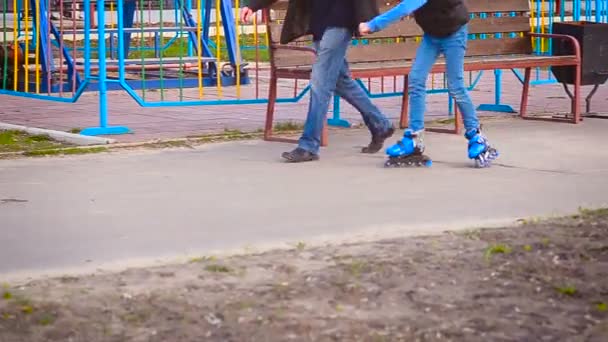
<point>541,281</point>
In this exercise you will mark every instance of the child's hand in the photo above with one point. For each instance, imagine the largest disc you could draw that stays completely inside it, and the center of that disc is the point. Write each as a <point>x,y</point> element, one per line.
<point>364,29</point>
<point>246,15</point>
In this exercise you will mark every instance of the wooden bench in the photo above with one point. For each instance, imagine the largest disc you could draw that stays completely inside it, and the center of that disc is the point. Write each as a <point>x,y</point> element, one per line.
<point>507,45</point>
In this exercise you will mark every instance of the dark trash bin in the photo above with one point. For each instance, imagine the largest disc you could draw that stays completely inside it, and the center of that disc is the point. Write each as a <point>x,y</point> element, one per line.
<point>593,40</point>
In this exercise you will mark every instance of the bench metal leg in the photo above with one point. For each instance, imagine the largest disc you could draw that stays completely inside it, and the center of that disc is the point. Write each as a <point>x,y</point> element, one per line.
<point>268,128</point>
<point>272,97</point>
<point>324,135</point>
<point>524,94</point>
<point>457,119</point>
<point>576,102</point>
<point>403,119</point>
<point>575,110</point>
<point>457,123</point>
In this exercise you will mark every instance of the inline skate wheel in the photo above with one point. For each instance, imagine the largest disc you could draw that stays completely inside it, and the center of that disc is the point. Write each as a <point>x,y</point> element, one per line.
<point>428,163</point>
<point>480,164</point>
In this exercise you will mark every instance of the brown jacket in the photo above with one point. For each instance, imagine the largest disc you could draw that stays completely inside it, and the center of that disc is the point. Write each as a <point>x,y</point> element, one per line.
<point>298,15</point>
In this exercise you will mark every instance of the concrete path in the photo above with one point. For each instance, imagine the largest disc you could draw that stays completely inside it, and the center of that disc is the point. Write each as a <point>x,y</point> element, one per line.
<point>137,208</point>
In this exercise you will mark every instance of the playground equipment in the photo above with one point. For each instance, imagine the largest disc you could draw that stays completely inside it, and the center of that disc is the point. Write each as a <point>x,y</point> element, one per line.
<point>27,61</point>
<point>194,63</point>
<point>58,49</point>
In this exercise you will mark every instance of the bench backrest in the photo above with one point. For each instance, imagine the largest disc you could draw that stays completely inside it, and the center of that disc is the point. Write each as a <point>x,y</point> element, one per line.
<point>497,27</point>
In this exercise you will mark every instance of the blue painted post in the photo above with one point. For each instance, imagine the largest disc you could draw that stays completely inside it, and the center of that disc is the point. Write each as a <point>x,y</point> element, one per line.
<point>336,120</point>
<point>46,55</point>
<point>103,128</point>
<point>66,55</point>
<point>190,22</point>
<point>123,44</point>
<point>128,18</point>
<point>87,40</point>
<point>191,41</point>
<point>229,32</point>
<point>157,44</point>
<point>112,48</point>
<point>207,22</point>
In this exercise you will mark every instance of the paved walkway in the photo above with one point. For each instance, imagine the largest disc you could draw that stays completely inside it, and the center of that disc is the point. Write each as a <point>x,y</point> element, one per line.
<point>140,207</point>
<point>176,122</point>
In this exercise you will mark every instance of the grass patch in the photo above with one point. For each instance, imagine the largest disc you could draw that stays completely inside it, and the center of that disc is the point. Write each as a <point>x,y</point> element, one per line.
<point>65,151</point>
<point>17,141</point>
<point>27,309</point>
<point>567,290</point>
<point>497,249</point>
<point>357,267</point>
<point>471,234</point>
<point>202,259</point>
<point>590,213</point>
<point>445,121</point>
<point>168,144</point>
<point>233,132</point>
<point>530,221</point>
<point>288,126</point>
<point>215,268</point>
<point>46,319</point>
<point>7,295</point>
<point>602,307</point>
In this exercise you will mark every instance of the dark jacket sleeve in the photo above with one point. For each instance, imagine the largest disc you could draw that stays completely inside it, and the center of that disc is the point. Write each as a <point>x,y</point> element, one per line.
<point>257,5</point>
<point>366,10</point>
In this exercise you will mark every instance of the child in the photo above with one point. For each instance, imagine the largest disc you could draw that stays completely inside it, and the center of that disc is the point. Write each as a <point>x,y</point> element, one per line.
<point>444,23</point>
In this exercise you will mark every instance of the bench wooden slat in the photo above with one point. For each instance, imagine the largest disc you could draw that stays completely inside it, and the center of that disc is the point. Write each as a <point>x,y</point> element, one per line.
<point>407,50</point>
<point>289,58</point>
<point>491,6</point>
<point>400,68</point>
<point>474,6</point>
<point>409,28</point>
<point>280,5</point>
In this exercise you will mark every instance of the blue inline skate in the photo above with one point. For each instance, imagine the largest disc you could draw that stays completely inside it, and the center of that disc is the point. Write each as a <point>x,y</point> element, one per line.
<point>480,149</point>
<point>408,152</point>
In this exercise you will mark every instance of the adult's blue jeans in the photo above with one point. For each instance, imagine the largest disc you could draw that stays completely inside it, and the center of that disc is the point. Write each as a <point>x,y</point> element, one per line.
<point>330,74</point>
<point>453,48</point>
